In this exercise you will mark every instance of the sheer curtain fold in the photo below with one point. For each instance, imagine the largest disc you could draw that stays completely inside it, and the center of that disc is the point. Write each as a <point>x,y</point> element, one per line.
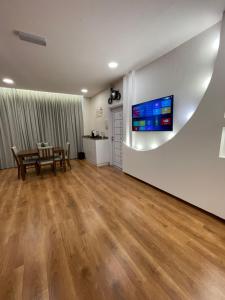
<point>27,117</point>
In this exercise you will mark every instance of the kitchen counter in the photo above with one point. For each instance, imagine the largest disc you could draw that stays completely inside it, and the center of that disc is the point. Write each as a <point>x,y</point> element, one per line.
<point>97,150</point>
<point>95,138</point>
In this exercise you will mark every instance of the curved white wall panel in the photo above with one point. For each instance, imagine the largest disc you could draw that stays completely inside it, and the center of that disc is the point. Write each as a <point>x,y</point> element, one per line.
<point>185,73</point>
<point>222,144</point>
<point>188,166</point>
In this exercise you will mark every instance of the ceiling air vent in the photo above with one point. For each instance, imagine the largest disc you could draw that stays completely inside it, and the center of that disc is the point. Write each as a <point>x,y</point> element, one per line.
<point>31,38</point>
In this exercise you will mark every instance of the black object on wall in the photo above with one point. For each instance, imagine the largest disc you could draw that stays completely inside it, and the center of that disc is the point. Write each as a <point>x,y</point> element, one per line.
<point>115,95</point>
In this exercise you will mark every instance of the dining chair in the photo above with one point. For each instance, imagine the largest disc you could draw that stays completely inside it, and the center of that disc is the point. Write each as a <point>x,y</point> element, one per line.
<point>27,163</point>
<point>46,157</point>
<point>59,157</point>
<point>67,154</point>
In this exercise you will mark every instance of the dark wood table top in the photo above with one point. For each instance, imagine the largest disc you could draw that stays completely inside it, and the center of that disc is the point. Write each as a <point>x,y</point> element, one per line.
<point>33,152</point>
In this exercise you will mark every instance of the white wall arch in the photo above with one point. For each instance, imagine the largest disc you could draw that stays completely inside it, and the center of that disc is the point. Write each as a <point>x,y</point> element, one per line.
<point>189,166</point>
<point>185,73</point>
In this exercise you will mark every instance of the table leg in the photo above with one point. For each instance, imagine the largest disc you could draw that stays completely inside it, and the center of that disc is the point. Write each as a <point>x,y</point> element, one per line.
<point>22,168</point>
<point>64,161</point>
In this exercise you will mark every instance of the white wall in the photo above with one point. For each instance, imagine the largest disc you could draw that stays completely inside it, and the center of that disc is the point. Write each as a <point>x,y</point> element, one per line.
<point>188,166</point>
<point>86,119</point>
<point>185,73</point>
<point>102,124</point>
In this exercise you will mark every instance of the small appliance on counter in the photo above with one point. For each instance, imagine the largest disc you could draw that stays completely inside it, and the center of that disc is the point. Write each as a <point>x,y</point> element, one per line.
<point>94,134</point>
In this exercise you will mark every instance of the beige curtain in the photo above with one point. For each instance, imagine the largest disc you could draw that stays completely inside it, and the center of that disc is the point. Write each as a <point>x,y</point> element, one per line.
<point>28,117</point>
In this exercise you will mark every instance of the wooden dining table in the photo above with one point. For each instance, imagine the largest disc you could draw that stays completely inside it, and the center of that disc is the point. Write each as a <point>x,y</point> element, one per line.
<point>23,154</point>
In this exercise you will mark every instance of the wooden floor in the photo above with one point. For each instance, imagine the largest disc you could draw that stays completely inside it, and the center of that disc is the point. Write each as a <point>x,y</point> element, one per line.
<point>96,233</point>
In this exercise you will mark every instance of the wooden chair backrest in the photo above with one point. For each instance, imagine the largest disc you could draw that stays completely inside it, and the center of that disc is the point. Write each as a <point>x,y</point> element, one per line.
<point>14,152</point>
<point>46,152</point>
<point>68,150</point>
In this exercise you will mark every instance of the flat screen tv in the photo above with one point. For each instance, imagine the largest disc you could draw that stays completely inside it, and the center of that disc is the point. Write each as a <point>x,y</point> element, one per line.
<point>154,115</point>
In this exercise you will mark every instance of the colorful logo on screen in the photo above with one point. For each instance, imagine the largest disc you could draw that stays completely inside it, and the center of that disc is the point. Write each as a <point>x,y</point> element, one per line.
<point>155,115</point>
<point>166,121</point>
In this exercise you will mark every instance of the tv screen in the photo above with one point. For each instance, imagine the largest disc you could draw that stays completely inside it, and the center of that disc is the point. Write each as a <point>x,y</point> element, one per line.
<point>154,115</point>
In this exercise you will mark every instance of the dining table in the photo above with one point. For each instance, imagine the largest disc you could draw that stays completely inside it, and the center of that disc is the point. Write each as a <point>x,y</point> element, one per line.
<point>29,153</point>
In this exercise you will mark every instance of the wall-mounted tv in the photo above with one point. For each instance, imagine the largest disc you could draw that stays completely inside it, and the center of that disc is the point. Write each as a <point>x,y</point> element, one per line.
<point>154,115</point>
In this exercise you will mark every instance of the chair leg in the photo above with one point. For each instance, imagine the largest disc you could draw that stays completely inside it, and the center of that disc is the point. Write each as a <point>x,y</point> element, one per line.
<point>54,168</point>
<point>68,163</point>
<point>37,169</point>
<point>23,175</point>
<point>19,172</point>
<point>64,165</point>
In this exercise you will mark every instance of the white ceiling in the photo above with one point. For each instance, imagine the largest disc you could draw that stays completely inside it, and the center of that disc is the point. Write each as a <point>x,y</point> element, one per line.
<point>84,35</point>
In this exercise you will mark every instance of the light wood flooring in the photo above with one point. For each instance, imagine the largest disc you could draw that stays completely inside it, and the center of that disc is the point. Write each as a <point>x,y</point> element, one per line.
<point>95,233</point>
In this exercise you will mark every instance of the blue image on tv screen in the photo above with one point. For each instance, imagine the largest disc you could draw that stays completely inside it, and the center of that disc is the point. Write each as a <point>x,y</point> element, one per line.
<point>154,115</point>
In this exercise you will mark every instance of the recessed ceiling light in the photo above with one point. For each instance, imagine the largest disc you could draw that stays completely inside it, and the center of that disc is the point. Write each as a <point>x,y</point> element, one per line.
<point>113,65</point>
<point>8,81</point>
<point>84,91</point>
